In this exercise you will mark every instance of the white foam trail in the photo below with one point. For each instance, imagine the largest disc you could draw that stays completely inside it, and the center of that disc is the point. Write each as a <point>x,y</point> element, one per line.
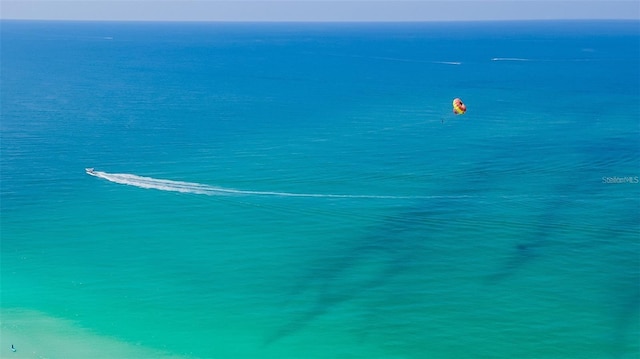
<point>154,183</point>
<point>509,59</point>
<point>447,62</point>
<point>398,59</point>
<point>197,188</point>
<point>538,60</point>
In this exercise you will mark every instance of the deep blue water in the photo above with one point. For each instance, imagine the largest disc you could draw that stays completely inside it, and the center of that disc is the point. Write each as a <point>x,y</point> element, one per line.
<point>303,190</point>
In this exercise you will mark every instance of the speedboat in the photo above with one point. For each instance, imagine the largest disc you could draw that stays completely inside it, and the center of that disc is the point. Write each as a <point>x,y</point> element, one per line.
<point>90,171</point>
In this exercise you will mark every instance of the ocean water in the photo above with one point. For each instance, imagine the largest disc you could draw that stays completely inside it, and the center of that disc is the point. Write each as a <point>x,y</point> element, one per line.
<point>301,190</point>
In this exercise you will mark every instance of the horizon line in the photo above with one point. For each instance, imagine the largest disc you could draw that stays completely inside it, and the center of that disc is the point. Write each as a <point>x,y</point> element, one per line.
<point>318,21</point>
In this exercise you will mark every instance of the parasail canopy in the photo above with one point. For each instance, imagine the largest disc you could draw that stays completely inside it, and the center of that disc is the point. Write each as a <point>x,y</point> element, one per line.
<point>458,106</point>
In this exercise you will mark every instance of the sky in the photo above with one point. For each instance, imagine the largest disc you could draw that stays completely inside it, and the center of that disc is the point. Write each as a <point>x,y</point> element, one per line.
<point>318,10</point>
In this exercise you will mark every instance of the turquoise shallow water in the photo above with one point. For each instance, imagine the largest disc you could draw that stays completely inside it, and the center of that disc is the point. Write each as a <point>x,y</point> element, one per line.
<point>302,190</point>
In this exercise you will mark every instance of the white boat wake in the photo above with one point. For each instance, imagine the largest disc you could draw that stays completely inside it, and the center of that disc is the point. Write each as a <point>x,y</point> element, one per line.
<point>509,59</point>
<point>198,188</point>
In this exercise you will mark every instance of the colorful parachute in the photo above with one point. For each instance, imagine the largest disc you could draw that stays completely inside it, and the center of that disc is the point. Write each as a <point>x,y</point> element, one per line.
<point>458,107</point>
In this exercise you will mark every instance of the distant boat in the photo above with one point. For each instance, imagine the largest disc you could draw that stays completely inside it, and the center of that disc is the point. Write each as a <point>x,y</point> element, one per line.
<point>90,171</point>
